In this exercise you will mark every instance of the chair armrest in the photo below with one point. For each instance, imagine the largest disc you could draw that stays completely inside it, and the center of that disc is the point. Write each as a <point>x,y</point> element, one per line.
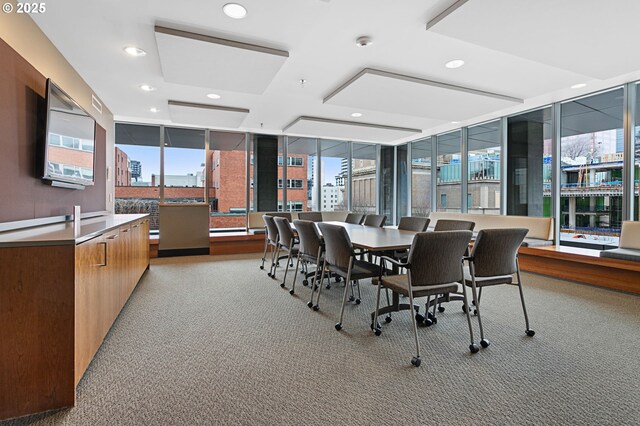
<point>396,262</point>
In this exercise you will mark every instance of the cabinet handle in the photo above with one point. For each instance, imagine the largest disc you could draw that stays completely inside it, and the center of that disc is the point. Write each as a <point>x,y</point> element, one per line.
<point>112,237</point>
<point>105,254</point>
<point>135,226</point>
<point>125,230</point>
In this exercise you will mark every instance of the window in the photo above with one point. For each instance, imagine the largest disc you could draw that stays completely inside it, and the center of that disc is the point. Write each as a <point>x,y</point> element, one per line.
<point>292,183</point>
<point>484,168</point>
<point>529,164</point>
<point>421,177</point>
<point>333,168</point>
<point>443,200</point>
<point>363,178</point>
<point>592,152</point>
<point>184,165</point>
<point>636,155</point>
<point>449,171</point>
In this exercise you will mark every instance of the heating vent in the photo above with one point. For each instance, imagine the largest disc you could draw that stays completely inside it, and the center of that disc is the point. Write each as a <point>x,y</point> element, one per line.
<point>96,103</point>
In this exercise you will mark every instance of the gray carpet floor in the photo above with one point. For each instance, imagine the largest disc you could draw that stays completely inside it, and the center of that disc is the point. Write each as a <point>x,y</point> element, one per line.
<point>213,340</point>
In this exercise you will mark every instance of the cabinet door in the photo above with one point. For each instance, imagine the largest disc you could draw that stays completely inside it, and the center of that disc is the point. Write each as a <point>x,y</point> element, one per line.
<point>91,260</point>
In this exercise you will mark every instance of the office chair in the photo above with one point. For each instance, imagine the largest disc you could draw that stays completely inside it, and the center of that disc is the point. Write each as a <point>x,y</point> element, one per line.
<point>434,266</point>
<point>377,220</point>
<point>266,234</point>
<point>355,218</point>
<point>286,242</point>
<point>493,261</point>
<point>312,216</point>
<point>340,259</point>
<point>310,252</point>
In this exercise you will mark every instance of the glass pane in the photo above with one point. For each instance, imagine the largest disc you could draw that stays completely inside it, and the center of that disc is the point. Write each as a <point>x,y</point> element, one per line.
<point>529,167</point>
<point>184,165</point>
<point>386,182</point>
<point>592,151</point>
<point>228,183</point>
<point>484,169</point>
<point>137,165</point>
<point>363,179</point>
<point>301,162</point>
<point>449,169</point>
<point>402,165</point>
<point>636,150</point>
<point>421,178</point>
<point>334,162</point>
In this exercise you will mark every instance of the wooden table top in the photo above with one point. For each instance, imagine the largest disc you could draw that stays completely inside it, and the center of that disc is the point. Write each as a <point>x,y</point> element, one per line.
<point>377,239</point>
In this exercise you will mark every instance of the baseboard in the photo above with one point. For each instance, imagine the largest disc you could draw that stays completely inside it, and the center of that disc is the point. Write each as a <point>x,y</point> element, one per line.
<point>183,252</point>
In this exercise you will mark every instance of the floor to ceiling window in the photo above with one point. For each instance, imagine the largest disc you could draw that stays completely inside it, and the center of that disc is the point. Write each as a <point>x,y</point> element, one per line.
<point>448,190</point>
<point>137,161</point>
<point>636,155</point>
<point>184,165</point>
<point>363,178</point>
<point>421,177</point>
<point>228,183</point>
<point>592,153</point>
<point>402,173</point>
<point>483,192</point>
<point>332,169</point>
<point>300,174</point>
<point>386,187</point>
<point>529,163</point>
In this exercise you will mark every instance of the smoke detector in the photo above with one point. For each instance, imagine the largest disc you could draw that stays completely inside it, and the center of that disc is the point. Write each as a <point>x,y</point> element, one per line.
<point>363,41</point>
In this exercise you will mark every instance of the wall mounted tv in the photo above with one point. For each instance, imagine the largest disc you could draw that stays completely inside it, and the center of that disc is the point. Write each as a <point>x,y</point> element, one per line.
<point>69,152</point>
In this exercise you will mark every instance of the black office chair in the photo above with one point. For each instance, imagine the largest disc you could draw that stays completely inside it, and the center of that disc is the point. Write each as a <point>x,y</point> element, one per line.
<point>267,241</point>
<point>286,242</point>
<point>377,220</point>
<point>453,225</point>
<point>354,218</point>
<point>312,216</point>
<point>310,252</point>
<point>340,259</point>
<point>414,223</point>
<point>493,261</point>
<point>435,266</point>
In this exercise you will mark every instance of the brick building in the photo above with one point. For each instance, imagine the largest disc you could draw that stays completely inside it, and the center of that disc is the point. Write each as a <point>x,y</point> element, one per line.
<point>123,168</point>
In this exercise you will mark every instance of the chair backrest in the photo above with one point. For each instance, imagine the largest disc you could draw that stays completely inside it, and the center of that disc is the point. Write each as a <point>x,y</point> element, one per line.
<point>337,245</point>
<point>280,214</point>
<point>630,235</point>
<point>272,229</point>
<point>436,257</point>
<point>284,230</point>
<point>453,225</point>
<point>413,223</point>
<point>312,216</point>
<point>495,250</point>
<point>355,218</point>
<point>310,240</point>
<point>377,220</point>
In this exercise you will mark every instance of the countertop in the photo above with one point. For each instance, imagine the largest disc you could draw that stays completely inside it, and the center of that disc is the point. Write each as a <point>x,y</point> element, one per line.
<point>63,233</point>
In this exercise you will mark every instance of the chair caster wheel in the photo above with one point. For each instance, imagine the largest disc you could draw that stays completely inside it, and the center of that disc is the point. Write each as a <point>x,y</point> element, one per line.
<point>377,332</point>
<point>339,326</point>
<point>429,315</point>
<point>282,285</point>
<point>420,318</point>
<point>357,301</point>
<point>464,309</point>
<point>305,282</point>
<point>268,274</point>
<point>475,312</point>
<point>291,265</point>
<point>530,333</point>
<point>440,308</point>
<point>387,320</point>
<point>328,286</point>
<point>415,361</point>
<point>316,308</point>
<point>485,343</point>
<point>434,320</point>
<point>337,279</point>
<point>351,298</point>
<point>474,348</point>
<point>309,304</point>
<point>428,322</point>
<point>261,267</point>
<point>291,291</point>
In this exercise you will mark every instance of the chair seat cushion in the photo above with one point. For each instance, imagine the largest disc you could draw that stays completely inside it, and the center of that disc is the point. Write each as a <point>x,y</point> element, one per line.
<point>399,284</point>
<point>536,242</point>
<point>622,254</point>
<point>487,281</point>
<point>361,269</point>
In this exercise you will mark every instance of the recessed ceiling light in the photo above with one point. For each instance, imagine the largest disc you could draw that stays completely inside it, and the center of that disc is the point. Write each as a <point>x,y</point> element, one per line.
<point>147,88</point>
<point>364,41</point>
<point>134,51</point>
<point>213,96</point>
<point>454,122</point>
<point>234,10</point>
<point>154,109</point>
<point>356,114</point>
<point>579,86</point>
<point>456,63</point>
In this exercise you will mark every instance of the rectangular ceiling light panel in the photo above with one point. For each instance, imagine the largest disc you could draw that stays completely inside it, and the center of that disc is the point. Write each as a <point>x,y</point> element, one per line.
<point>400,94</point>
<point>199,60</point>
<point>347,130</point>
<point>206,115</point>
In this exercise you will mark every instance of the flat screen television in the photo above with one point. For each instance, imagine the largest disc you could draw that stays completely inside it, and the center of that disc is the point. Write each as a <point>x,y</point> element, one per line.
<point>69,152</point>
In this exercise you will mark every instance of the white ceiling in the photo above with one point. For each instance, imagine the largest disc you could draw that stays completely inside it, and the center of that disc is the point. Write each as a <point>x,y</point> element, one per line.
<point>531,50</point>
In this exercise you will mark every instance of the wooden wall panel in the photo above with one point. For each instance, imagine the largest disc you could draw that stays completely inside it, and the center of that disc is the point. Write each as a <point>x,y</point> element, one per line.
<point>22,119</point>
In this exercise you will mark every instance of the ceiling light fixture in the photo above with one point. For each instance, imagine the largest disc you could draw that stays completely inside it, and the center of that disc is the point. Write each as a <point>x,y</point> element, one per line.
<point>234,10</point>
<point>147,88</point>
<point>356,114</point>
<point>364,41</point>
<point>213,96</point>
<point>579,86</point>
<point>134,51</point>
<point>154,109</point>
<point>454,122</point>
<point>456,63</point>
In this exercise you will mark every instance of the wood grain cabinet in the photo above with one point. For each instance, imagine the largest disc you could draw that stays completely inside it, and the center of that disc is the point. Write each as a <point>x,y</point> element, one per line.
<point>57,304</point>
